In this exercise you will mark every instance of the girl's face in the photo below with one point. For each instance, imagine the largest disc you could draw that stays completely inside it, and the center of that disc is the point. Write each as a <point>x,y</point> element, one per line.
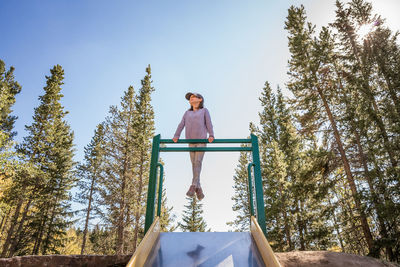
<point>195,101</point>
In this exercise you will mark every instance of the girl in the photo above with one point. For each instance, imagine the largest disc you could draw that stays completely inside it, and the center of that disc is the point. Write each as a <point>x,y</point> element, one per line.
<point>197,121</point>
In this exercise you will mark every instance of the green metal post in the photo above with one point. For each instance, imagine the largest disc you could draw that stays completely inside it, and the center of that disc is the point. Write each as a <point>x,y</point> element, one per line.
<point>160,184</point>
<point>151,191</point>
<point>258,184</point>
<point>250,188</point>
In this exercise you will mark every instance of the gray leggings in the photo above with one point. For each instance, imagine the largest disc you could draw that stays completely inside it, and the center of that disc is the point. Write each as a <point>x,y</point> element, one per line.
<point>196,157</point>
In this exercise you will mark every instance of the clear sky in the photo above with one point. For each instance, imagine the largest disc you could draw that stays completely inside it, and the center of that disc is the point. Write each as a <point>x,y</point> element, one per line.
<point>223,49</point>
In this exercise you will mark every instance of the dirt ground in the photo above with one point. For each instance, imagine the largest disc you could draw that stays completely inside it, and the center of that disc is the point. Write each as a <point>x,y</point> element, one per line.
<point>328,259</point>
<point>288,259</point>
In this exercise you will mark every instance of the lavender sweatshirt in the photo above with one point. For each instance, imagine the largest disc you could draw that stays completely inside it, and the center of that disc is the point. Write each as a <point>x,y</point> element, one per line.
<point>197,124</point>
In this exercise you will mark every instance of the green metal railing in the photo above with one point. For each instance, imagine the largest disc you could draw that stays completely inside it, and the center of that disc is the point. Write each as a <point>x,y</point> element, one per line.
<point>256,184</point>
<point>250,181</point>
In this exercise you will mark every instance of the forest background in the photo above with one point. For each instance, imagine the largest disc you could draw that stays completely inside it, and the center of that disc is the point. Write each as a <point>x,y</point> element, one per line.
<point>323,73</point>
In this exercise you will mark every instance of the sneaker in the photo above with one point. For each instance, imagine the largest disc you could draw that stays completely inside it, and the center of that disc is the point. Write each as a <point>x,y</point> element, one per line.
<point>199,193</point>
<point>191,191</point>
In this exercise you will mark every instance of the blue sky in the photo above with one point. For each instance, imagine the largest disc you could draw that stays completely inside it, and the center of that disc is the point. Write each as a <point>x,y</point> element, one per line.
<point>225,50</point>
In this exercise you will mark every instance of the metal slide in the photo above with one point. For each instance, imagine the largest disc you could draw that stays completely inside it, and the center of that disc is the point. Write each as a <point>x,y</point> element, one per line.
<point>204,250</point>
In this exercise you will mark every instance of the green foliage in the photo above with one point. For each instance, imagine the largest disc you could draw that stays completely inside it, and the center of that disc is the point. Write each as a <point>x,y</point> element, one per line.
<point>124,172</point>
<point>330,161</point>
<point>42,208</point>
<point>192,220</point>
<point>241,196</point>
<point>90,173</point>
<point>9,88</point>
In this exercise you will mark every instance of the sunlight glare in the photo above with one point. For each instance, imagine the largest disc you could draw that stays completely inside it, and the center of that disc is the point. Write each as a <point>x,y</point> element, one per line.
<point>364,30</point>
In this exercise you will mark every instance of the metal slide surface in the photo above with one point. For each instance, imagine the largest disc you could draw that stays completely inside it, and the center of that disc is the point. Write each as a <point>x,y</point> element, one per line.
<point>205,249</point>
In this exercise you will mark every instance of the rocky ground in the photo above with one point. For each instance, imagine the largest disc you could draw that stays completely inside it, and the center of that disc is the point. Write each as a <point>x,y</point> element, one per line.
<point>66,260</point>
<point>328,259</point>
<point>289,259</point>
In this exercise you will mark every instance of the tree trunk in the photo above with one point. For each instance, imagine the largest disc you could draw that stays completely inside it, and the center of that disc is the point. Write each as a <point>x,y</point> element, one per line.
<point>384,134</point>
<point>11,229</point>
<point>87,216</point>
<point>391,87</point>
<point>373,109</point>
<point>4,221</point>
<point>285,218</point>
<point>138,203</point>
<point>20,231</point>
<point>49,231</point>
<point>375,196</point>
<point>336,225</point>
<point>363,217</point>
<point>40,233</point>
<point>120,225</point>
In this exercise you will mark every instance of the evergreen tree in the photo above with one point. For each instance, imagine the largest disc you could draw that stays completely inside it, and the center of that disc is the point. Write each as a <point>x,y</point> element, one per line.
<point>144,125</point>
<point>90,172</point>
<point>9,88</point>
<point>117,183</point>
<point>166,220</point>
<point>310,83</point>
<point>11,166</point>
<point>373,119</point>
<point>292,171</point>
<point>102,241</point>
<point>192,220</point>
<point>49,146</point>
<point>123,186</point>
<point>241,195</point>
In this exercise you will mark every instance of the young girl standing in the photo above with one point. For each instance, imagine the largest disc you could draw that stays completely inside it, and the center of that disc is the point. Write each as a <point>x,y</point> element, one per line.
<point>197,123</point>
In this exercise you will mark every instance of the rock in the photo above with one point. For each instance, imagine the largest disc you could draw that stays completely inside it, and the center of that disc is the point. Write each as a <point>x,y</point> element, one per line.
<point>328,259</point>
<point>66,260</point>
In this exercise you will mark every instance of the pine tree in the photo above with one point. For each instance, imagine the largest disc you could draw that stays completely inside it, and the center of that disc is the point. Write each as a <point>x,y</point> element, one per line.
<point>9,88</point>
<point>128,134</point>
<point>49,146</point>
<point>144,125</point>
<point>366,73</point>
<point>11,168</point>
<point>361,64</point>
<point>102,240</point>
<point>310,83</point>
<point>294,187</point>
<point>241,196</point>
<point>117,182</point>
<point>90,172</point>
<point>166,220</point>
<point>192,220</point>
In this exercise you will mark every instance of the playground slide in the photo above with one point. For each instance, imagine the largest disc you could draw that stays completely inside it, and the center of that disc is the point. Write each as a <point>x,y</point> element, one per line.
<point>204,249</point>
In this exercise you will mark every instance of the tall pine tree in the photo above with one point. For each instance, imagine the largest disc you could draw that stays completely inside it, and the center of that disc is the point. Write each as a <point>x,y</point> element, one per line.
<point>90,172</point>
<point>49,145</point>
<point>192,219</point>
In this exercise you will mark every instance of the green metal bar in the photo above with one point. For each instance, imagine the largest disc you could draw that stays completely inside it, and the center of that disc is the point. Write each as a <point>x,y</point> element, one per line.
<point>250,188</point>
<point>210,149</point>
<point>258,185</point>
<point>219,141</point>
<point>151,191</point>
<point>160,184</point>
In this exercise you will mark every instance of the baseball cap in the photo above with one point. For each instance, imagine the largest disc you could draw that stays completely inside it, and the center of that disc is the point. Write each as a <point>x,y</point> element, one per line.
<point>188,95</point>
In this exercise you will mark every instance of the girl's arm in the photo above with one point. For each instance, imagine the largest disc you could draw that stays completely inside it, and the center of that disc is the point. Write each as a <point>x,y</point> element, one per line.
<point>209,124</point>
<point>180,127</point>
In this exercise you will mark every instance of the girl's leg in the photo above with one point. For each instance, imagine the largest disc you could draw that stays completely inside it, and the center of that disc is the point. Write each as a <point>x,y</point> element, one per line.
<point>197,160</point>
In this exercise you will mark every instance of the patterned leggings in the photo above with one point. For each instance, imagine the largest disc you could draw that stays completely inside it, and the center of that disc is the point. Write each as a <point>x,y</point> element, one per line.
<point>196,157</point>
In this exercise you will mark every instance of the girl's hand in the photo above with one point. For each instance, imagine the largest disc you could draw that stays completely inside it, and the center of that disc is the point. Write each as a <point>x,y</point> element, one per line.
<point>175,139</point>
<point>210,139</point>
